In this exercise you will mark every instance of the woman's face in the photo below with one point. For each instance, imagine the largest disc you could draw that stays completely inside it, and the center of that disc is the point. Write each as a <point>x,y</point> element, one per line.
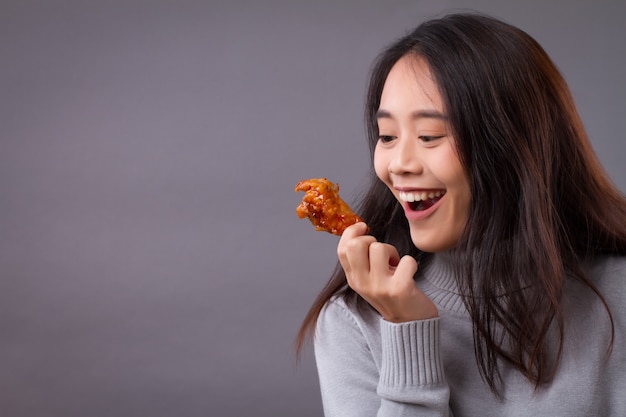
<point>416,157</point>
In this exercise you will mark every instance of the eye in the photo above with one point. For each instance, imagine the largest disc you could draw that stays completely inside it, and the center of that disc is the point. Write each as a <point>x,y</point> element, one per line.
<point>386,138</point>
<point>430,138</point>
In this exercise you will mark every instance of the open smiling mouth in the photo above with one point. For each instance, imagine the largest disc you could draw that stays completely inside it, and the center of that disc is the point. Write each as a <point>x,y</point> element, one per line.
<point>419,201</point>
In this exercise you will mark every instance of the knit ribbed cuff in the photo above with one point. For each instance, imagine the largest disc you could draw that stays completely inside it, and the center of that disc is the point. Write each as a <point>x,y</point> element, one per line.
<point>410,354</point>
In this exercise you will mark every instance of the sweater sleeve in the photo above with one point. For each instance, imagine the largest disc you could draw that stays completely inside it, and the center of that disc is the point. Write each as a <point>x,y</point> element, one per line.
<point>407,380</point>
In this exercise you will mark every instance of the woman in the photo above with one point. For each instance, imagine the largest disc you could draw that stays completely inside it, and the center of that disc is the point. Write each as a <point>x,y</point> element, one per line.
<point>489,276</point>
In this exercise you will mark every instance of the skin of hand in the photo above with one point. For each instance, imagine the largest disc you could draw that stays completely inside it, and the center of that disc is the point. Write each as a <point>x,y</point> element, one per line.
<point>375,271</point>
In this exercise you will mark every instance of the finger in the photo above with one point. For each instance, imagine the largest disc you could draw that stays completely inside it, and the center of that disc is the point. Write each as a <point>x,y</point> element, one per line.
<point>383,258</point>
<point>357,229</point>
<point>406,269</point>
<point>354,255</point>
<point>403,275</point>
<point>348,235</point>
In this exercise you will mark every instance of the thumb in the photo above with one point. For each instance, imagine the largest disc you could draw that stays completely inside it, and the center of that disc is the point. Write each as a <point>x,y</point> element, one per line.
<point>407,267</point>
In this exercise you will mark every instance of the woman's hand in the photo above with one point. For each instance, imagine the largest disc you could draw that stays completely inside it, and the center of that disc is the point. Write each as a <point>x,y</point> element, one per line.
<point>375,271</point>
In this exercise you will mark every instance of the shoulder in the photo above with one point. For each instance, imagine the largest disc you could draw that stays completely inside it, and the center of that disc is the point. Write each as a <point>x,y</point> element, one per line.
<point>346,335</point>
<point>609,274</point>
<point>341,315</point>
<point>347,326</point>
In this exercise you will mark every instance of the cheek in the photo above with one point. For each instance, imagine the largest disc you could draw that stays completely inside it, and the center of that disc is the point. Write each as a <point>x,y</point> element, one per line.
<point>452,173</point>
<point>451,170</point>
<point>381,165</point>
<point>463,195</point>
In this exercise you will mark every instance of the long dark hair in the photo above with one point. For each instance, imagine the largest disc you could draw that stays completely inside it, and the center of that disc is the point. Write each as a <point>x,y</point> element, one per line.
<point>541,201</point>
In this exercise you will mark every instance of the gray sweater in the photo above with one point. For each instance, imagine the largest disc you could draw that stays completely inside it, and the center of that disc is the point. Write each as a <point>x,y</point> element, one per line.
<point>371,367</point>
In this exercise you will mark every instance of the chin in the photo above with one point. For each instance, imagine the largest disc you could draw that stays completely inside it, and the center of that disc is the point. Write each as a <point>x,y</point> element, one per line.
<point>430,244</point>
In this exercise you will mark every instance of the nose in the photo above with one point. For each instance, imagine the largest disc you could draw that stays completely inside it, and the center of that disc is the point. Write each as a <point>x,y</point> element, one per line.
<point>406,158</point>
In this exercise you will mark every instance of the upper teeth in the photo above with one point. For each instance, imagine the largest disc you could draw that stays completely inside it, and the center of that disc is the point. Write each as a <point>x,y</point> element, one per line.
<point>417,196</point>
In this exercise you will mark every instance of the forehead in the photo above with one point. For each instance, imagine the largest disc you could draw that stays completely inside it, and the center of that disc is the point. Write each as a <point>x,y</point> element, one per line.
<point>410,86</point>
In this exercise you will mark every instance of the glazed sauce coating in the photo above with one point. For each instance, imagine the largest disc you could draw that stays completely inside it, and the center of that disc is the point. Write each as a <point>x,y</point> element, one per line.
<point>323,206</point>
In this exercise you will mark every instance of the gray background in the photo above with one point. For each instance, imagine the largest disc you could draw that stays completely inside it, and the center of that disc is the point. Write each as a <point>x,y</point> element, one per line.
<point>151,262</point>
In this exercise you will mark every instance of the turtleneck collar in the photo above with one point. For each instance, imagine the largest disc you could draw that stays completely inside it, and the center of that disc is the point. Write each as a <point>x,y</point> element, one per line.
<point>438,281</point>
<point>439,270</point>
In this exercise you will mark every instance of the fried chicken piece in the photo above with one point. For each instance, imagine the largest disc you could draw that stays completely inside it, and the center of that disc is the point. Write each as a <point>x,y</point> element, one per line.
<point>323,206</point>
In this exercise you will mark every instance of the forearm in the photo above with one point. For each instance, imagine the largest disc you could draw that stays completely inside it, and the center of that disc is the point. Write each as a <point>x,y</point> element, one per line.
<point>385,369</point>
<point>412,381</point>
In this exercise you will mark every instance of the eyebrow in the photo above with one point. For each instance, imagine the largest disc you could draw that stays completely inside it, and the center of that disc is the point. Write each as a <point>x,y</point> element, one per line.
<point>419,114</point>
